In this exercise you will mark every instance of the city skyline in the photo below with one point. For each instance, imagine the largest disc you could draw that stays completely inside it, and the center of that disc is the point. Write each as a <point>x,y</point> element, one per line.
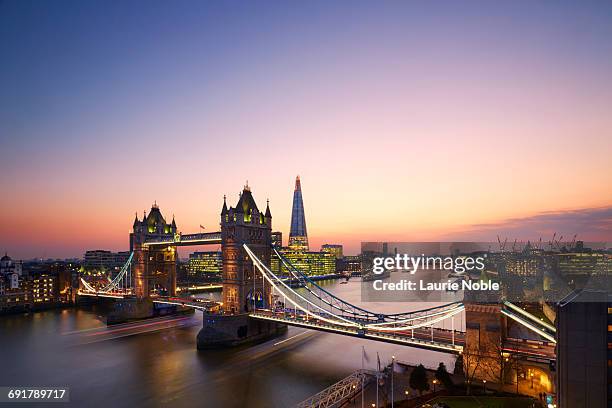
<point>594,224</point>
<point>404,122</point>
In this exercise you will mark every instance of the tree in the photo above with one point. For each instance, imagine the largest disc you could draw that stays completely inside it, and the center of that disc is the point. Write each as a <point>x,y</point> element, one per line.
<point>497,363</point>
<point>418,379</point>
<point>515,364</point>
<point>472,359</point>
<point>444,377</point>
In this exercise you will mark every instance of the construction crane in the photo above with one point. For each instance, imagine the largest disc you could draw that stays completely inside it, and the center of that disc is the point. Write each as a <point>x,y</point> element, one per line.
<point>502,246</point>
<point>574,241</point>
<point>551,242</point>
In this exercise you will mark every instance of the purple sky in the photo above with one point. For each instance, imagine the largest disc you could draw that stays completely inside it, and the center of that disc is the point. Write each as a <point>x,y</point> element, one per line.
<point>405,120</point>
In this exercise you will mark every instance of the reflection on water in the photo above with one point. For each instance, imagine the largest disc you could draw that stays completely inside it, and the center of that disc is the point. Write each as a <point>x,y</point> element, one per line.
<point>156,362</point>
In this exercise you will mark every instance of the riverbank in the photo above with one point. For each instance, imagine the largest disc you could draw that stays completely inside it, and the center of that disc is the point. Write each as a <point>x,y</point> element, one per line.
<point>32,308</point>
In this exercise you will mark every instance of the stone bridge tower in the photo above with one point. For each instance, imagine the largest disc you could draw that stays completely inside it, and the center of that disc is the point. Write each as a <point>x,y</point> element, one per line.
<point>154,267</point>
<point>243,285</point>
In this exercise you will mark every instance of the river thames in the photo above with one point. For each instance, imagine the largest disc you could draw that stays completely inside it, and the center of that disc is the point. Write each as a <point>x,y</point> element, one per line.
<point>155,362</point>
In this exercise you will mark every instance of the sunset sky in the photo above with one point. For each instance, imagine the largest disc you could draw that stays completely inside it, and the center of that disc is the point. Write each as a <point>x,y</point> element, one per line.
<point>405,120</point>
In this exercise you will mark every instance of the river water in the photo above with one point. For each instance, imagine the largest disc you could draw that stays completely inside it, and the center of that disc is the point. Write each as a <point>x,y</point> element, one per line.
<point>155,363</point>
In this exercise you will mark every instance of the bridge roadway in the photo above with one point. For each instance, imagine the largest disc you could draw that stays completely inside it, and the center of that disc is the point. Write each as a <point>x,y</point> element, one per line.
<point>535,350</point>
<point>443,340</point>
<point>195,303</point>
<point>437,339</point>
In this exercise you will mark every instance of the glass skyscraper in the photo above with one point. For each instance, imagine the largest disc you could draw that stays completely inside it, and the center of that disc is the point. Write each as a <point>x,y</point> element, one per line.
<point>310,263</point>
<point>298,237</point>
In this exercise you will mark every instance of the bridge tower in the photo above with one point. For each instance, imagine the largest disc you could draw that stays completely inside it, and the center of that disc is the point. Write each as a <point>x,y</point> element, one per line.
<point>243,286</point>
<point>154,267</point>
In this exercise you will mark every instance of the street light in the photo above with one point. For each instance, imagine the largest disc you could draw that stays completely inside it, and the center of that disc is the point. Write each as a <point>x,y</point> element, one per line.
<point>434,384</point>
<point>392,372</point>
<point>484,385</point>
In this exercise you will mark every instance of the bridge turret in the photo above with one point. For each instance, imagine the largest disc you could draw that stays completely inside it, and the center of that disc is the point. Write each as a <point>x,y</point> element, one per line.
<point>268,215</point>
<point>224,210</point>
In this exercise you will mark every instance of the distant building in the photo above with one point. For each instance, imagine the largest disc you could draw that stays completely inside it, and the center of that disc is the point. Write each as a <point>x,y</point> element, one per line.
<point>36,286</point>
<point>350,264</point>
<point>202,265</point>
<point>576,268</point>
<point>102,259</point>
<point>45,288</point>
<point>334,249</point>
<point>277,239</point>
<point>298,236</point>
<point>15,294</point>
<point>310,263</point>
<point>297,253</point>
<point>8,266</point>
<point>526,266</point>
<point>121,258</point>
<point>12,288</point>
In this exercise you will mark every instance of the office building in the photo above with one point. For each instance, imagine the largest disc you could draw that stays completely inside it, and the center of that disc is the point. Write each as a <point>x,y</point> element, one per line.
<point>277,239</point>
<point>334,249</point>
<point>204,265</point>
<point>310,263</point>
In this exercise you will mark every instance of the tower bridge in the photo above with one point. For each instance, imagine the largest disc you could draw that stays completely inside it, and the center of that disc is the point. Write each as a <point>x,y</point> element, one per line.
<point>258,303</point>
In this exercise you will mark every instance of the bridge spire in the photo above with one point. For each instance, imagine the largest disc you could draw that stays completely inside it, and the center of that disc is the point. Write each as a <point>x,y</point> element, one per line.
<point>224,209</point>
<point>268,213</point>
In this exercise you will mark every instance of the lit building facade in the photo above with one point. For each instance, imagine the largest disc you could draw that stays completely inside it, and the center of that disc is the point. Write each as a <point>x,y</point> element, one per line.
<point>277,239</point>
<point>204,265</point>
<point>38,286</point>
<point>45,288</point>
<point>350,264</point>
<point>14,291</point>
<point>334,249</point>
<point>101,259</point>
<point>310,263</point>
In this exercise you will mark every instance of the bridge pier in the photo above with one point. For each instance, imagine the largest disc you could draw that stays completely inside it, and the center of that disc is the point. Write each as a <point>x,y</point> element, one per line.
<point>132,308</point>
<point>234,330</point>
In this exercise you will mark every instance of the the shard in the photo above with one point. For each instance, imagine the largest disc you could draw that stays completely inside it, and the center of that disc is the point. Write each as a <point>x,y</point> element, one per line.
<point>298,237</point>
